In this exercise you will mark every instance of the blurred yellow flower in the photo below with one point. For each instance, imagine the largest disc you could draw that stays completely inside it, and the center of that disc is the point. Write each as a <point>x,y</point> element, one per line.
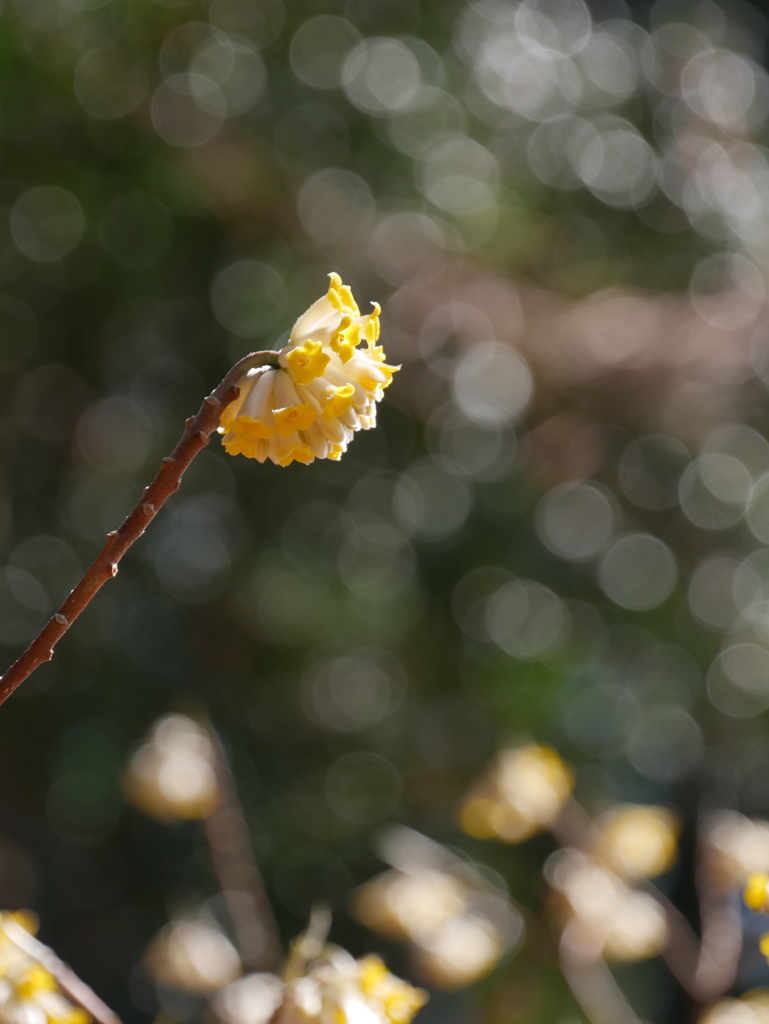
<point>325,389</point>
<point>467,949</point>
<point>757,891</point>
<point>522,793</point>
<point>638,841</point>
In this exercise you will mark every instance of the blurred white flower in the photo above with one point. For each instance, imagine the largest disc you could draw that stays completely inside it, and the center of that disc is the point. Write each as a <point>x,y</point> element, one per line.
<point>736,847</point>
<point>192,956</point>
<point>249,1000</point>
<point>173,774</point>
<point>601,915</point>
<point>458,923</point>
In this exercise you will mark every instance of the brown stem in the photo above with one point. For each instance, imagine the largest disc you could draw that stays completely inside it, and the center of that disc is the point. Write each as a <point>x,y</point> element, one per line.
<point>105,565</point>
<point>232,857</point>
<point>73,987</point>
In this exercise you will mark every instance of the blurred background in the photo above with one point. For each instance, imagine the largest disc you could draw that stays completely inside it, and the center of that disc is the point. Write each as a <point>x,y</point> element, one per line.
<point>558,534</point>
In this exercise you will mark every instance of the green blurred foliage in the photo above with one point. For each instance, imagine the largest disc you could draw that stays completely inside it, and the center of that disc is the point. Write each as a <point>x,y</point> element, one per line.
<point>558,529</point>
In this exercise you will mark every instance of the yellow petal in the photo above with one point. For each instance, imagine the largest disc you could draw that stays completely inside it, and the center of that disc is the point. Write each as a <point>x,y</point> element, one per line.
<point>307,362</point>
<point>297,453</point>
<point>294,417</point>
<point>250,427</point>
<point>338,401</point>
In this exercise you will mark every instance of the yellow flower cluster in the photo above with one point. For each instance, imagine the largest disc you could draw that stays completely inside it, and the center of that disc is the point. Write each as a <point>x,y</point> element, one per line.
<point>28,992</point>
<point>325,389</point>
<point>522,793</point>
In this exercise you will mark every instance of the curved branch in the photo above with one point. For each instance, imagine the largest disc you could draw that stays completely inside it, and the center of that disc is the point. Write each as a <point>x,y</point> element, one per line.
<point>195,437</point>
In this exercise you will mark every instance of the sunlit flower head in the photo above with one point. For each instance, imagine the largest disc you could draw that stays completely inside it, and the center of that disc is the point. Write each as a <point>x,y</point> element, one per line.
<point>522,793</point>
<point>637,841</point>
<point>331,375</point>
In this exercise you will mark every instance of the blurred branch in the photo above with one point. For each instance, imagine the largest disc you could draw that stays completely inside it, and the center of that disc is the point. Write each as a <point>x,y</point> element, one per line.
<point>721,927</point>
<point>73,987</point>
<point>195,437</point>
<point>574,828</point>
<point>593,986</point>
<point>242,886</point>
<point>705,967</point>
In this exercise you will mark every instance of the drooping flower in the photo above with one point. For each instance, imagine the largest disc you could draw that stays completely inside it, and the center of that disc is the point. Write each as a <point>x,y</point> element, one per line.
<point>325,389</point>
